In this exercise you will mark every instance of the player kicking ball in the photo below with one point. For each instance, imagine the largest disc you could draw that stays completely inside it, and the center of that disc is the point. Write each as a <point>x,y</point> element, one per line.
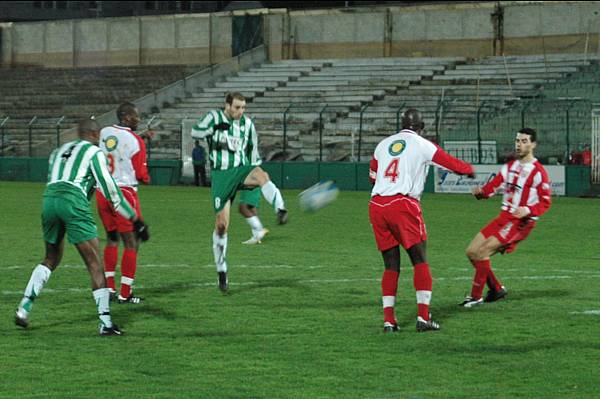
<point>398,170</point>
<point>526,197</point>
<point>235,165</point>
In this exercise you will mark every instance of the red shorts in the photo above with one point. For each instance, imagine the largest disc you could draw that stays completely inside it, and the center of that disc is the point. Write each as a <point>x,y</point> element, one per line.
<point>508,230</point>
<point>113,221</point>
<point>396,220</point>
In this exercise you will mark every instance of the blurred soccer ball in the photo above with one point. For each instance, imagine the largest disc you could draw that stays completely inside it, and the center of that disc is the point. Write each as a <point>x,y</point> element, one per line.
<point>318,196</point>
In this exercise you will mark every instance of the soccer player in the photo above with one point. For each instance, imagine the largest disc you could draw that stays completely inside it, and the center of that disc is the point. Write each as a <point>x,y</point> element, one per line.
<point>249,201</point>
<point>74,170</point>
<point>398,170</point>
<point>234,157</point>
<point>526,197</point>
<point>126,154</point>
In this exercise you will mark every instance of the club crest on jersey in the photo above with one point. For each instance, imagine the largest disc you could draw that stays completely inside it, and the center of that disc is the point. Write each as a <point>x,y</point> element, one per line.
<point>111,143</point>
<point>397,147</point>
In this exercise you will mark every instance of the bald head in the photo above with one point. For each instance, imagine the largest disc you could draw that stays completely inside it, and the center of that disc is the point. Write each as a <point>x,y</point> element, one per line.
<point>89,129</point>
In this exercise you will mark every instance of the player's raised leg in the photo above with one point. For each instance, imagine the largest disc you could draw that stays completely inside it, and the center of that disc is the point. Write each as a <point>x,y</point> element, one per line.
<point>39,277</point>
<point>258,177</point>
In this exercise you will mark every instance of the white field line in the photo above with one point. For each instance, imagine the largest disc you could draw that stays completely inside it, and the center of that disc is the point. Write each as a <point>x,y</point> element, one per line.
<point>595,312</point>
<point>174,266</point>
<point>304,281</point>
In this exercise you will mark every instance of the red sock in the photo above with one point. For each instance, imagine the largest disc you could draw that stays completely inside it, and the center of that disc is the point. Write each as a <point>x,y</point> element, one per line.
<point>111,254</point>
<point>482,268</point>
<point>389,288</point>
<point>492,281</point>
<point>423,283</point>
<point>128,267</point>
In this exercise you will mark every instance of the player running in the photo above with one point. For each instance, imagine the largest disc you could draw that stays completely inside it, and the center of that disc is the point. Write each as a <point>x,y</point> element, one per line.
<point>249,201</point>
<point>234,157</point>
<point>398,170</point>
<point>126,154</point>
<point>526,197</point>
<point>74,171</point>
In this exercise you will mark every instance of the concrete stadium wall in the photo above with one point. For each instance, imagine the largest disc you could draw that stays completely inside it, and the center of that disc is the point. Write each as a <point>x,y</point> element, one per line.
<point>408,31</point>
<point>173,39</point>
<point>434,30</point>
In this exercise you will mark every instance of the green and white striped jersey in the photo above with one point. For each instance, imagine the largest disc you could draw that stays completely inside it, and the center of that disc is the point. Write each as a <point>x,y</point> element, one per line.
<point>231,149</point>
<point>79,166</point>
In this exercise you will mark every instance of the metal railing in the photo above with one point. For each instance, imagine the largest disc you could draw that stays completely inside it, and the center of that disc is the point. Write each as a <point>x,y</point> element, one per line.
<point>2,130</point>
<point>478,131</point>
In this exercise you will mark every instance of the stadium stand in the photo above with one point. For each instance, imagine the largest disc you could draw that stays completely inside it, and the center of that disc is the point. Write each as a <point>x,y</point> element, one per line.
<point>332,97</point>
<point>45,98</point>
<point>328,109</point>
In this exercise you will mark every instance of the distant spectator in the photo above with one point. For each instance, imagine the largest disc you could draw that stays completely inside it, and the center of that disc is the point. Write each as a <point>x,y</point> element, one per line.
<point>199,161</point>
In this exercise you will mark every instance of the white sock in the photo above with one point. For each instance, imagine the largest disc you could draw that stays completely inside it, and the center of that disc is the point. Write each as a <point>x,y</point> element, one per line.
<point>220,251</point>
<point>255,225</point>
<point>101,296</point>
<point>423,297</point>
<point>273,195</point>
<point>39,277</point>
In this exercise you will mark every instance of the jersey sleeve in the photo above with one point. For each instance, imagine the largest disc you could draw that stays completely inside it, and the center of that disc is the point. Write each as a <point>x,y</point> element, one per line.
<point>252,149</point>
<point>139,160</point>
<point>490,187</point>
<point>447,161</point>
<point>108,187</point>
<point>204,127</point>
<point>373,164</point>
<point>543,193</point>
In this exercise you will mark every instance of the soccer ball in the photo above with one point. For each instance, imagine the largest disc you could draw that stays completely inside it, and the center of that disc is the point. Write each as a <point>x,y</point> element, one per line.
<point>318,196</point>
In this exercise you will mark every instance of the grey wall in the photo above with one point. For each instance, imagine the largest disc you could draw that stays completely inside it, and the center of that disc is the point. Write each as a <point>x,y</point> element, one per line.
<point>428,30</point>
<point>172,39</point>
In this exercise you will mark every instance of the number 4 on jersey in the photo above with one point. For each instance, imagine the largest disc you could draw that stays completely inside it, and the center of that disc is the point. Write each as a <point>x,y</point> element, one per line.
<point>391,172</point>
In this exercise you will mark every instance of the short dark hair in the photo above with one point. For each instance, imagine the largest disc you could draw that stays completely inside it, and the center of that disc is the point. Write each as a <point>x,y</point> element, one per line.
<point>125,109</point>
<point>234,96</point>
<point>86,126</point>
<point>530,132</point>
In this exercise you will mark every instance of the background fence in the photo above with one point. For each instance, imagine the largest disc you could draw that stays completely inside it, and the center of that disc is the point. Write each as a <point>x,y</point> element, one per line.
<point>477,131</point>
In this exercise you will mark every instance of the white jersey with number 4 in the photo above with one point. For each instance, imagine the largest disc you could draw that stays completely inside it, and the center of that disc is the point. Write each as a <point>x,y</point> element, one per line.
<point>402,163</point>
<point>126,154</point>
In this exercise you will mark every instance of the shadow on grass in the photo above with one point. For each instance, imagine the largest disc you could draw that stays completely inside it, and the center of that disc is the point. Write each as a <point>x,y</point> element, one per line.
<point>448,310</point>
<point>271,283</point>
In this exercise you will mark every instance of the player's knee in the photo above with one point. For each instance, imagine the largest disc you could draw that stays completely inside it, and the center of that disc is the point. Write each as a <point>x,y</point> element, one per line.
<point>471,253</point>
<point>262,177</point>
<point>221,229</point>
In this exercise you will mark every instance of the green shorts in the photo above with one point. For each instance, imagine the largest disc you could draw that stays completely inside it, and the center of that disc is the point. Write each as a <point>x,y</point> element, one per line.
<point>68,214</point>
<point>225,183</point>
<point>250,197</point>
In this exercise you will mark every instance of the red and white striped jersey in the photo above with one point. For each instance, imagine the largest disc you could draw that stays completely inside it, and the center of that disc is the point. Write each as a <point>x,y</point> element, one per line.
<point>401,162</point>
<point>524,185</point>
<point>126,154</point>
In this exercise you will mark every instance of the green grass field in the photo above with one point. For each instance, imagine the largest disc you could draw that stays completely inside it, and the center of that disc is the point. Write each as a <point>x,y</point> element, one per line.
<point>304,319</point>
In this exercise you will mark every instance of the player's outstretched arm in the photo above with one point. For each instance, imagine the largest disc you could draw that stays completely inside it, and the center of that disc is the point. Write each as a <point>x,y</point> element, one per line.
<point>447,161</point>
